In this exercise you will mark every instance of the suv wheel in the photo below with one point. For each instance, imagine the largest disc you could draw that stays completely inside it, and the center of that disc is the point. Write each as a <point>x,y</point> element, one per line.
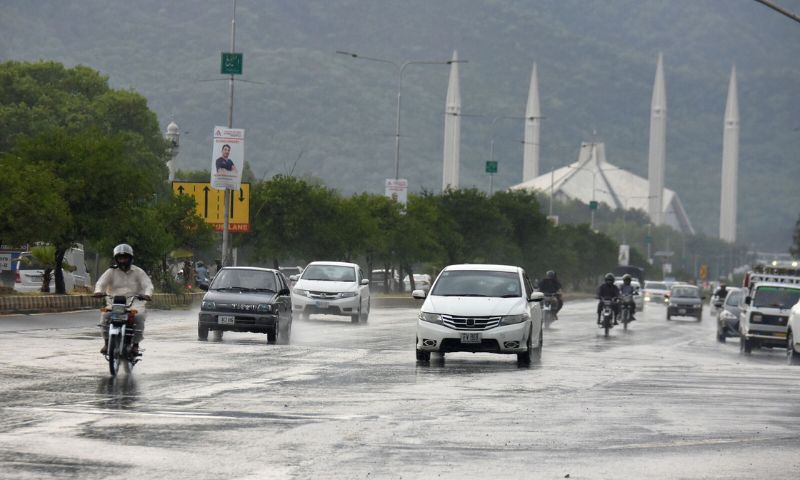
<point>202,332</point>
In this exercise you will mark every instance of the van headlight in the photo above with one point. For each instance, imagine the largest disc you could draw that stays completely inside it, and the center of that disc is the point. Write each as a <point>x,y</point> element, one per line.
<point>430,317</point>
<point>756,318</point>
<point>514,319</point>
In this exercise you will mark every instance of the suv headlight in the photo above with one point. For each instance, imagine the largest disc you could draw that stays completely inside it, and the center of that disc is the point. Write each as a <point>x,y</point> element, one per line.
<point>513,319</point>
<point>264,308</point>
<point>301,292</point>
<point>208,305</point>
<point>347,294</point>
<point>430,317</point>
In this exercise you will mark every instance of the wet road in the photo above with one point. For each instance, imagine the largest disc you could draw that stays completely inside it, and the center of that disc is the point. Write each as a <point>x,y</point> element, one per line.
<point>663,400</point>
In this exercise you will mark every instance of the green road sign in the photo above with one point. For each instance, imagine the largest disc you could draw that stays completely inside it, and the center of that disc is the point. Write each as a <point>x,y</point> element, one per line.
<point>491,167</point>
<point>593,205</point>
<point>648,239</point>
<point>231,63</point>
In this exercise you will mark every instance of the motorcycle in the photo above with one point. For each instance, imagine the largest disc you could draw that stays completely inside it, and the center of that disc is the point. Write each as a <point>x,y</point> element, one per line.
<point>549,306</point>
<point>121,328</point>
<point>607,315</point>
<point>628,309</point>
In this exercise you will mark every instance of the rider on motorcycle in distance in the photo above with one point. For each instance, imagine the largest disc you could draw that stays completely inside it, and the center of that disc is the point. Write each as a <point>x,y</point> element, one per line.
<point>607,289</point>
<point>721,291</point>
<point>627,289</point>
<point>125,278</point>
<point>551,286</point>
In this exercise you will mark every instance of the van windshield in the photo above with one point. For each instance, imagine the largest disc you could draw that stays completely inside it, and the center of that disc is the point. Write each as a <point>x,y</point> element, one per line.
<point>478,283</point>
<point>776,297</point>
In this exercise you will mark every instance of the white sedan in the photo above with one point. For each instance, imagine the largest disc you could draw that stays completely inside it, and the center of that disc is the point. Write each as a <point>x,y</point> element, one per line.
<point>793,336</point>
<point>332,288</point>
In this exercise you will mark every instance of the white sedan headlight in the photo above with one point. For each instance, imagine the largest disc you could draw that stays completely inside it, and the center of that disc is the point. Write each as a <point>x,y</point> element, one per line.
<point>430,317</point>
<point>347,294</point>
<point>513,319</point>
<point>301,292</point>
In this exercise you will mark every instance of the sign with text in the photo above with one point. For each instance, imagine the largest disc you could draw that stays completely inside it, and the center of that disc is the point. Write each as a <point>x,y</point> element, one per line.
<point>210,206</point>
<point>397,189</point>
<point>227,158</point>
<point>491,166</point>
<point>624,256</point>
<point>231,63</point>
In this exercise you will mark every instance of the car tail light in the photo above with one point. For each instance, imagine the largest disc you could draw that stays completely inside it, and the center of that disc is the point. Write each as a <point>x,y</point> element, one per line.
<point>17,277</point>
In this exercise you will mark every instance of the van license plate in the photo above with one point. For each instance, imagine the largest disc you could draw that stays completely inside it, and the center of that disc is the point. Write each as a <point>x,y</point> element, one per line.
<point>226,319</point>
<point>470,337</point>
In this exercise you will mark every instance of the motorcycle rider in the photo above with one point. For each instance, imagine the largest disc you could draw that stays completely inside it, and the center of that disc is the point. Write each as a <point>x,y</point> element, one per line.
<point>627,289</point>
<point>550,285</point>
<point>125,278</point>
<point>607,290</point>
<point>721,291</point>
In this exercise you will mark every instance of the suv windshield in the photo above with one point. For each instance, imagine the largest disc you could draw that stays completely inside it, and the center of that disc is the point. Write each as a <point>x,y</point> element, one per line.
<point>478,283</point>
<point>242,279</point>
<point>776,297</point>
<point>330,273</point>
<point>686,292</point>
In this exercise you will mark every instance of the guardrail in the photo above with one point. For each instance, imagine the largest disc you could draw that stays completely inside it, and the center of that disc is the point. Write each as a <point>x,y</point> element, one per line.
<point>65,303</point>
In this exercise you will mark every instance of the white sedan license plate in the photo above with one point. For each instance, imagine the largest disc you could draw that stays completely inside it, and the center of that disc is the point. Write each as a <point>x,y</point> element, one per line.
<point>471,337</point>
<point>226,319</point>
<point>322,304</point>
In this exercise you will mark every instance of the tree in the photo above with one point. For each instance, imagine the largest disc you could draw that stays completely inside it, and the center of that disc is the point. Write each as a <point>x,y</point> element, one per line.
<point>103,146</point>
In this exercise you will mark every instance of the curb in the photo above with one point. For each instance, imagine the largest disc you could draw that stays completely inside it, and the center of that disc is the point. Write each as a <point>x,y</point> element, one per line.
<point>65,303</point>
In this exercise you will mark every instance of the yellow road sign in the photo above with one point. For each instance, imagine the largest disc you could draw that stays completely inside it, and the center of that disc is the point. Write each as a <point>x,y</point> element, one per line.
<point>703,271</point>
<point>211,207</point>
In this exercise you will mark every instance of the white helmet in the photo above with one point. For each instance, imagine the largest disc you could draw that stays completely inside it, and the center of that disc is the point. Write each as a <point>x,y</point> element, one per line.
<point>120,250</point>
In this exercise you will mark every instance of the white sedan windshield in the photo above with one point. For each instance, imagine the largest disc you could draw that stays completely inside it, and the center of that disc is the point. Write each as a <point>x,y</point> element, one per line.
<point>478,283</point>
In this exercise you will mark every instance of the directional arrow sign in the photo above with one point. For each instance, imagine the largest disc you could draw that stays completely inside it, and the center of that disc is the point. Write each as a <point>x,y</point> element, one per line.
<point>210,204</point>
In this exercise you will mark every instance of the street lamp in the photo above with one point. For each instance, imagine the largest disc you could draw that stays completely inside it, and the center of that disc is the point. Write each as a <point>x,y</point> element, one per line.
<point>400,69</point>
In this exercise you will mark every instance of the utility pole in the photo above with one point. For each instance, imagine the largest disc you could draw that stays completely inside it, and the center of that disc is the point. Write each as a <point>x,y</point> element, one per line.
<point>226,224</point>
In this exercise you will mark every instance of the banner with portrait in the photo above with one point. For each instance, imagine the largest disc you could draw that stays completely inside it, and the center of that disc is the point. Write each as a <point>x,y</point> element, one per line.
<point>227,158</point>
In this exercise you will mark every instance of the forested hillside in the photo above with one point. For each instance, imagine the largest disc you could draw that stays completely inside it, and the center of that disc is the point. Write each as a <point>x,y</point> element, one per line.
<point>329,116</point>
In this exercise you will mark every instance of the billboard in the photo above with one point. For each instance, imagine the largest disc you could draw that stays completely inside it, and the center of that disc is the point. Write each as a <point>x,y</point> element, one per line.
<point>397,189</point>
<point>227,158</point>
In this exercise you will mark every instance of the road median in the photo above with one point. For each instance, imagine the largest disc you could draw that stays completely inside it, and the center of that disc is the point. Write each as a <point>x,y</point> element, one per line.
<point>64,303</point>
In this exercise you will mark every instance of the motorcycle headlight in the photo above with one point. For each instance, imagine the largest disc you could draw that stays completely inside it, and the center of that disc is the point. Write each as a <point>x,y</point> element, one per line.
<point>347,294</point>
<point>513,319</point>
<point>756,318</point>
<point>208,305</point>
<point>430,317</point>
<point>301,292</point>
<point>264,308</point>
<point>647,298</point>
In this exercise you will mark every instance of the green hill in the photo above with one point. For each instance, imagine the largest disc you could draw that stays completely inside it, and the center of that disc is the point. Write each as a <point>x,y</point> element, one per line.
<point>334,116</point>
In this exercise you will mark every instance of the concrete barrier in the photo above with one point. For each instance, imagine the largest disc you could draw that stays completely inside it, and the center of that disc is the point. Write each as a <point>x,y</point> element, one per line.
<point>64,303</point>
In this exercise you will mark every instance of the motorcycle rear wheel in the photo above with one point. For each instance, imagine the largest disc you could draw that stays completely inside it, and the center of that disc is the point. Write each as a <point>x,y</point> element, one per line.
<point>113,355</point>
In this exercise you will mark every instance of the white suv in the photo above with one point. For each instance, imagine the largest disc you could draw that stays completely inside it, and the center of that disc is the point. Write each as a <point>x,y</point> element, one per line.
<point>480,308</point>
<point>332,288</point>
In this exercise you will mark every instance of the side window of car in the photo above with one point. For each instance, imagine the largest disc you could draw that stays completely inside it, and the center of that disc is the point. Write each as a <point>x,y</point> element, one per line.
<point>528,285</point>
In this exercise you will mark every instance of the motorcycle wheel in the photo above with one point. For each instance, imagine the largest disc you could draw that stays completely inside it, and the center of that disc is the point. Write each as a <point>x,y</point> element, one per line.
<point>606,326</point>
<point>113,355</point>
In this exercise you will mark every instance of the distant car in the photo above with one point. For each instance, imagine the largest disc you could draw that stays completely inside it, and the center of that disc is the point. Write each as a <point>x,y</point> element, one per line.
<point>638,300</point>
<point>332,288</point>
<point>684,301</point>
<point>728,315</point>
<point>384,280</point>
<point>29,274</point>
<point>655,292</point>
<point>793,336</point>
<point>422,281</point>
<point>247,299</point>
<point>480,308</point>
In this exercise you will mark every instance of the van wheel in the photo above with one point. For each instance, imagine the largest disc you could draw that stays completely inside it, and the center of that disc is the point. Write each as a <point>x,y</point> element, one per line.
<point>792,357</point>
<point>745,345</point>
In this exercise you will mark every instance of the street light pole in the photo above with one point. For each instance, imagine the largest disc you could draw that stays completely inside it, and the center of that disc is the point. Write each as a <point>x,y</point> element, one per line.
<point>226,224</point>
<point>400,69</point>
